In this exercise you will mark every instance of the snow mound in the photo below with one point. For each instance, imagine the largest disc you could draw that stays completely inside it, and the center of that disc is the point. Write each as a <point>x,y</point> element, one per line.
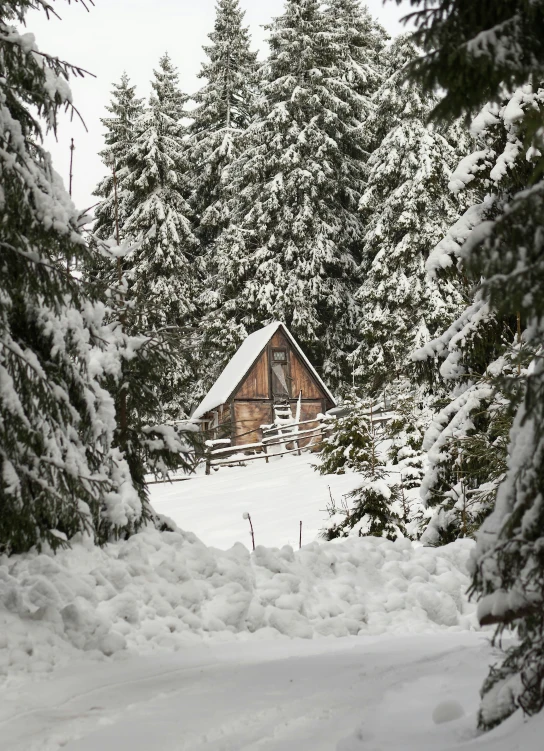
<point>168,590</point>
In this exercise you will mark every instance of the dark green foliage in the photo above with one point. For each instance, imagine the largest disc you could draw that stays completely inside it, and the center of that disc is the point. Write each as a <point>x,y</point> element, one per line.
<point>525,659</point>
<point>161,275</point>
<point>406,428</point>
<point>57,475</point>
<point>406,207</point>
<point>475,49</point>
<point>372,509</point>
<point>478,52</point>
<point>405,432</point>
<point>125,109</point>
<point>363,44</point>
<point>348,444</point>
<point>61,467</point>
<point>289,252</point>
<point>467,462</point>
<point>356,444</point>
<point>143,435</point>
<point>223,112</point>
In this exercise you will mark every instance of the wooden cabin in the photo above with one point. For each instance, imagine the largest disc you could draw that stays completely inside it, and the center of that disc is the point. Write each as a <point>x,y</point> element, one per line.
<point>268,375</point>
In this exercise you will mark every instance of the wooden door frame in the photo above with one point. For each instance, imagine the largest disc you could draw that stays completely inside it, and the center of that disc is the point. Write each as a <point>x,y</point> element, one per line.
<point>287,350</point>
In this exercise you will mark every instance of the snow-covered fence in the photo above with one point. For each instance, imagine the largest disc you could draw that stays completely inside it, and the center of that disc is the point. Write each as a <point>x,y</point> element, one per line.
<point>271,436</point>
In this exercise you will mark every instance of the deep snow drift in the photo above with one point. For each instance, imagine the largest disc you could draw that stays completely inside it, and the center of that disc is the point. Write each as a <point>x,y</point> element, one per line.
<point>168,589</point>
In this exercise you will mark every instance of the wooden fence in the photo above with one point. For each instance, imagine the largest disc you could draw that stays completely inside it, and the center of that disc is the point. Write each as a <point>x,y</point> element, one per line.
<point>226,456</point>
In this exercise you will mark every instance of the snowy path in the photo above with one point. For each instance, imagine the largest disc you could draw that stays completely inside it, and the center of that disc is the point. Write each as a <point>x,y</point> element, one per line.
<point>268,696</point>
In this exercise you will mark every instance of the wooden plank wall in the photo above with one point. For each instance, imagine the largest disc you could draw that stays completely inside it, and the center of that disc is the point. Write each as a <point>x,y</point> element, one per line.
<point>303,380</point>
<point>255,385</point>
<point>279,340</point>
<point>249,416</point>
<point>301,377</point>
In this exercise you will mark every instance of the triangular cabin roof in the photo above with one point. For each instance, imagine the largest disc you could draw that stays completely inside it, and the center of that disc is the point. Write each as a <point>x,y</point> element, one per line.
<point>242,362</point>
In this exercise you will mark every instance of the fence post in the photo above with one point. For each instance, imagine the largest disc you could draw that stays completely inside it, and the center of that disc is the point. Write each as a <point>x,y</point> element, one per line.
<point>208,461</point>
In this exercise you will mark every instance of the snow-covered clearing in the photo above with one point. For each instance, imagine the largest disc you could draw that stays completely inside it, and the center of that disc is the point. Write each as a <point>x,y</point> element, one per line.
<point>162,642</point>
<point>278,495</point>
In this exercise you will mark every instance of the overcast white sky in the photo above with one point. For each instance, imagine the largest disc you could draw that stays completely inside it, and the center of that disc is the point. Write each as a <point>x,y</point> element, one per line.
<point>131,35</point>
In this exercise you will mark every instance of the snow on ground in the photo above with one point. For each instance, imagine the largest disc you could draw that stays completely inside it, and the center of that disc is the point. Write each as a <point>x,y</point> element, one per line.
<point>162,642</point>
<point>278,496</point>
<point>352,694</point>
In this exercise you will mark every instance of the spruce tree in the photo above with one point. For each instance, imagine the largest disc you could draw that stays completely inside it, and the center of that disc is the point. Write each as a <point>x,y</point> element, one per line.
<point>167,96</point>
<point>477,57</point>
<point>405,431</point>
<point>407,208</point>
<point>162,275</point>
<point>361,41</point>
<point>385,448</point>
<point>58,474</point>
<point>347,446</point>
<point>289,250</point>
<point>144,361</point>
<point>357,442</point>
<point>223,111</point>
<point>125,109</point>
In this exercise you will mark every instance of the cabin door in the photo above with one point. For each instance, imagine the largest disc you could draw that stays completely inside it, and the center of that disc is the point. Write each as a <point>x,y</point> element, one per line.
<point>280,376</point>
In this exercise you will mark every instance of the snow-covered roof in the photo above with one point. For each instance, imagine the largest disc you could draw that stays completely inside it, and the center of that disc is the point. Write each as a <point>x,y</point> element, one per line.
<point>241,363</point>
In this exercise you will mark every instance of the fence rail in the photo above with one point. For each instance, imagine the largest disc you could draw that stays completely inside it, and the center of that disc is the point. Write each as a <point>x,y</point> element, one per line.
<point>217,454</point>
<point>271,436</point>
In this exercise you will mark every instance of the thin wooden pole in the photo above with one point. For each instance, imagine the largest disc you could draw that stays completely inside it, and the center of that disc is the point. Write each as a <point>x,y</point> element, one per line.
<point>297,419</point>
<point>115,204</point>
<point>72,149</point>
<point>300,536</point>
<point>71,175</point>
<point>519,341</point>
<point>123,412</point>
<point>248,517</point>
<point>373,455</point>
<point>228,90</point>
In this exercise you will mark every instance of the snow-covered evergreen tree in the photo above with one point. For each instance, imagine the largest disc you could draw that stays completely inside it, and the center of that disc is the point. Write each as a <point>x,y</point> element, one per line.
<point>479,357</point>
<point>58,472</point>
<point>223,111</point>
<point>385,448</point>
<point>469,439</point>
<point>496,50</point>
<point>148,444</point>
<point>348,443</point>
<point>361,41</point>
<point>288,252</point>
<point>167,96</point>
<point>467,454</point>
<point>405,431</point>
<point>407,208</point>
<point>125,109</point>
<point>376,507</point>
<point>161,270</point>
